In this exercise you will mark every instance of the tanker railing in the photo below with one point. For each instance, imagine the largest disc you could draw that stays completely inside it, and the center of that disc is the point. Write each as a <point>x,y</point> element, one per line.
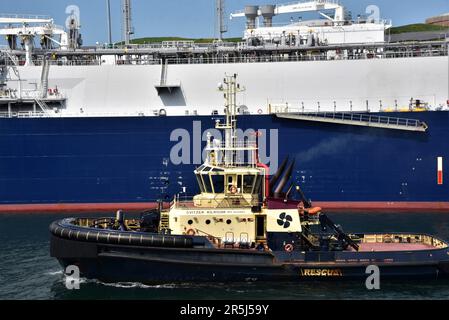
<point>242,57</point>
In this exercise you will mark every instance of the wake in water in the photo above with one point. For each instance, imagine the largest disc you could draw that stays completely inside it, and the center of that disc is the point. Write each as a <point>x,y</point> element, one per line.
<point>122,285</point>
<point>235,287</point>
<point>133,285</point>
<point>139,285</point>
<point>54,273</point>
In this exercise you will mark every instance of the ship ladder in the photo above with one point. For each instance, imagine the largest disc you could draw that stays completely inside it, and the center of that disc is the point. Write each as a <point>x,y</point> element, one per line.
<point>358,119</point>
<point>164,221</point>
<point>13,64</point>
<point>43,106</point>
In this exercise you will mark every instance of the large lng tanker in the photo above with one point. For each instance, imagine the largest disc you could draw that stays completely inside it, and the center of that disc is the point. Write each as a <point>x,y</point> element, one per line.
<point>359,121</point>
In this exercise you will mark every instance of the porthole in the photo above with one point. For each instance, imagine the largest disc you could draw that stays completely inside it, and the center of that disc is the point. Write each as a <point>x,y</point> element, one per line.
<point>228,221</point>
<point>190,222</point>
<point>208,221</point>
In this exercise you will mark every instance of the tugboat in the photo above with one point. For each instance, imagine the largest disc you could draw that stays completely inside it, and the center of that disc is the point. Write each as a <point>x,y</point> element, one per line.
<point>236,229</point>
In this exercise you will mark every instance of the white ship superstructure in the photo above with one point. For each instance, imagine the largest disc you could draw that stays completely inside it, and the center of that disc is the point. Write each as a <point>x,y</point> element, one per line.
<point>336,30</point>
<point>333,64</point>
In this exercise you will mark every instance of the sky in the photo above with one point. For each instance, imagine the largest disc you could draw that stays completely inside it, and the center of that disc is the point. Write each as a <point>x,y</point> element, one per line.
<point>195,18</point>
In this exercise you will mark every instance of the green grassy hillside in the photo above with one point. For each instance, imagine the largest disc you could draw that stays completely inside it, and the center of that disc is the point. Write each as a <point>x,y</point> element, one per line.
<point>417,27</point>
<point>161,39</point>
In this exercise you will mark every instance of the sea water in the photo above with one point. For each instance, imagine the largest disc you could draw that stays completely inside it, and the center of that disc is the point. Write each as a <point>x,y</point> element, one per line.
<point>28,272</point>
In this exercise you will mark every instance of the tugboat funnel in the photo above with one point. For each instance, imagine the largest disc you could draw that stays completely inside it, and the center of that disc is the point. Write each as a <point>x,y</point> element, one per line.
<point>274,180</point>
<point>284,180</point>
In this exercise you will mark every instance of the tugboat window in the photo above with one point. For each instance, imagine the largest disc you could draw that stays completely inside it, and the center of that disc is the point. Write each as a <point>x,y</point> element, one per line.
<point>218,181</point>
<point>258,184</point>
<point>200,183</point>
<point>190,222</point>
<point>228,221</point>
<point>239,183</point>
<point>231,179</point>
<point>248,182</point>
<point>207,184</point>
<point>208,221</point>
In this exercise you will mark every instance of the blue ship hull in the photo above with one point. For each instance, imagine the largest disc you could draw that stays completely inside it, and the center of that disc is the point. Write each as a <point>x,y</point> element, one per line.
<point>127,160</point>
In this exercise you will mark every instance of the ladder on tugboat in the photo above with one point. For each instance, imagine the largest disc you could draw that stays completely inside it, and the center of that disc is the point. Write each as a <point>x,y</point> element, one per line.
<point>358,119</point>
<point>164,221</point>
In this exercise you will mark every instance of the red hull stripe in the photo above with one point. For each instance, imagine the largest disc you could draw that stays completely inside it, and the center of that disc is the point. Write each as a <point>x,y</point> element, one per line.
<point>137,207</point>
<point>384,206</point>
<point>77,207</point>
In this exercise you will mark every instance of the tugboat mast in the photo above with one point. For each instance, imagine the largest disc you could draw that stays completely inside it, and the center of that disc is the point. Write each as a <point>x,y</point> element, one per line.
<point>230,87</point>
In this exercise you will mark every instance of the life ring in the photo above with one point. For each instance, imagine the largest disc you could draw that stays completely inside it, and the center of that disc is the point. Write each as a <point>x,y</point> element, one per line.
<point>260,111</point>
<point>289,248</point>
<point>233,189</point>
<point>190,232</point>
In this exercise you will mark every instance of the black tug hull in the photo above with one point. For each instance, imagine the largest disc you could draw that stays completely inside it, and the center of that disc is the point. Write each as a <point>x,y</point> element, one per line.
<point>125,263</point>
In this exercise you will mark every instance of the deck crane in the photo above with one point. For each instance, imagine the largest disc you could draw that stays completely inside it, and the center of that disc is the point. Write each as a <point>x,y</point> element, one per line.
<point>26,27</point>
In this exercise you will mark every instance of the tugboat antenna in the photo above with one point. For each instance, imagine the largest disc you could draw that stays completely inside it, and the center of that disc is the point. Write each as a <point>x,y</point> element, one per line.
<point>230,88</point>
